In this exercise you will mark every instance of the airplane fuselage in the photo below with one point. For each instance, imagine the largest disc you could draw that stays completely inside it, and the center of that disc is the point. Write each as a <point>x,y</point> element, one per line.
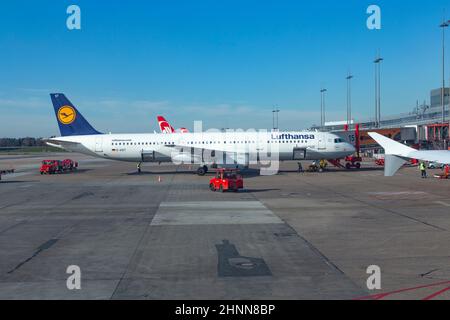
<point>196,147</point>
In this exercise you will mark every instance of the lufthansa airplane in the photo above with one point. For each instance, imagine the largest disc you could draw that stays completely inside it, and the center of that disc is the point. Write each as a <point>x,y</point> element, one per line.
<point>202,149</point>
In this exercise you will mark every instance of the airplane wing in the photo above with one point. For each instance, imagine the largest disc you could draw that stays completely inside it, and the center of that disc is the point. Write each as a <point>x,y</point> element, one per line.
<point>442,157</point>
<point>61,144</point>
<point>397,154</point>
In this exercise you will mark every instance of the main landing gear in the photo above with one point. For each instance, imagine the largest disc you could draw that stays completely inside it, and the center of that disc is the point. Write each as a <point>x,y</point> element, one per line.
<point>202,171</point>
<point>138,167</point>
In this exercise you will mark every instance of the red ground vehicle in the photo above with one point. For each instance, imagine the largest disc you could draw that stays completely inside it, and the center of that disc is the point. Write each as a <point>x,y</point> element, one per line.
<point>57,166</point>
<point>380,162</point>
<point>226,180</point>
<point>353,162</point>
<point>51,167</point>
<point>69,165</point>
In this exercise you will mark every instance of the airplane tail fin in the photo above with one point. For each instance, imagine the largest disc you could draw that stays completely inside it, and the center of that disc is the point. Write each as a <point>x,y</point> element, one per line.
<point>70,121</point>
<point>165,126</point>
<point>395,153</point>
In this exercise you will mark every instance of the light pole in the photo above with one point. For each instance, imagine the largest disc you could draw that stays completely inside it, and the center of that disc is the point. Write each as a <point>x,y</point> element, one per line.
<point>322,107</point>
<point>377,62</point>
<point>443,26</point>
<point>273,120</point>
<point>275,113</point>
<point>349,100</point>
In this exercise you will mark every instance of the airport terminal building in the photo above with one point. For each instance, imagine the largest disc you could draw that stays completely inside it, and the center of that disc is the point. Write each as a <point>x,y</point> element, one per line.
<point>423,125</point>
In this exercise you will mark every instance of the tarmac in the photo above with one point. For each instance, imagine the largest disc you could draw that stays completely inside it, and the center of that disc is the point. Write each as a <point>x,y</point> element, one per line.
<point>163,234</point>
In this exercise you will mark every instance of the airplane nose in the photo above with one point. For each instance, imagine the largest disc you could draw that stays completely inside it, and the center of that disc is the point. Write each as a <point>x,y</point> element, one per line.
<point>351,148</point>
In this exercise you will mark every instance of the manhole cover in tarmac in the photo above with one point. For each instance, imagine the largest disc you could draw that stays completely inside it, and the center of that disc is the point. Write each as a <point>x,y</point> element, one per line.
<point>241,263</point>
<point>232,264</point>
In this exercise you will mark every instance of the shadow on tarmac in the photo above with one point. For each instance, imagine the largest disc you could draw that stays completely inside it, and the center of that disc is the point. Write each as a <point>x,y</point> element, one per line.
<point>14,181</point>
<point>250,173</point>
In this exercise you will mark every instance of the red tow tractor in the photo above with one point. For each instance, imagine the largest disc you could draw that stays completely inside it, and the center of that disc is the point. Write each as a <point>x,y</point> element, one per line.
<point>50,167</point>
<point>353,162</point>
<point>57,166</point>
<point>226,180</point>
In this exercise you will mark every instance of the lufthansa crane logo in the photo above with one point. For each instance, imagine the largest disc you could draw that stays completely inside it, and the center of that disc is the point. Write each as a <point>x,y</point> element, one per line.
<point>66,115</point>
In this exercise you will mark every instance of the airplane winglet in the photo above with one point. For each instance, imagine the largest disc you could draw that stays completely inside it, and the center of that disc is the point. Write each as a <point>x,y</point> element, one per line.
<point>392,165</point>
<point>395,153</point>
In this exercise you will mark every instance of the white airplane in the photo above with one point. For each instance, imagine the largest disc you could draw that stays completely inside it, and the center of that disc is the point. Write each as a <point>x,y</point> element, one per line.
<point>397,154</point>
<point>201,148</point>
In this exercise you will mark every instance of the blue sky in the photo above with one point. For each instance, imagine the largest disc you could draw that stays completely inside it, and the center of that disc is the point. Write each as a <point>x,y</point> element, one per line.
<point>224,62</point>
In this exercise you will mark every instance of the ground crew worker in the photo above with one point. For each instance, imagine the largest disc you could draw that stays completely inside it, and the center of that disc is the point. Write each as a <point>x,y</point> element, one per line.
<point>423,170</point>
<point>447,170</point>
<point>300,168</point>
<point>139,167</point>
<point>323,165</point>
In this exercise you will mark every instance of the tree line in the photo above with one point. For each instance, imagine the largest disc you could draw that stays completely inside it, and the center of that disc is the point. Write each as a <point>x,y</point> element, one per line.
<point>21,142</point>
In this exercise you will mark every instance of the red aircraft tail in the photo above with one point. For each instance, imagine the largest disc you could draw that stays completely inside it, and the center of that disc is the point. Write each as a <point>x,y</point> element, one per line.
<point>165,126</point>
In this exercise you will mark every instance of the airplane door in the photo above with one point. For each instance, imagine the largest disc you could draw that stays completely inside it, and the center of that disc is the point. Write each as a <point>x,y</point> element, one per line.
<point>299,154</point>
<point>98,144</point>
<point>243,159</point>
<point>321,143</point>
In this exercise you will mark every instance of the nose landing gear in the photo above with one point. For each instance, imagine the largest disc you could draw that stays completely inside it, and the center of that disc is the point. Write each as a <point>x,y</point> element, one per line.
<point>202,171</point>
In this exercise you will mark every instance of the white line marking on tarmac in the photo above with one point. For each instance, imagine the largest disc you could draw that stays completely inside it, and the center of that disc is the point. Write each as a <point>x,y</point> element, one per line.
<point>445,204</point>
<point>209,213</point>
<point>401,193</point>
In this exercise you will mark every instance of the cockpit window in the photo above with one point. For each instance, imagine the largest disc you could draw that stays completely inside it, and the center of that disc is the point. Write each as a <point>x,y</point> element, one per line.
<point>339,141</point>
